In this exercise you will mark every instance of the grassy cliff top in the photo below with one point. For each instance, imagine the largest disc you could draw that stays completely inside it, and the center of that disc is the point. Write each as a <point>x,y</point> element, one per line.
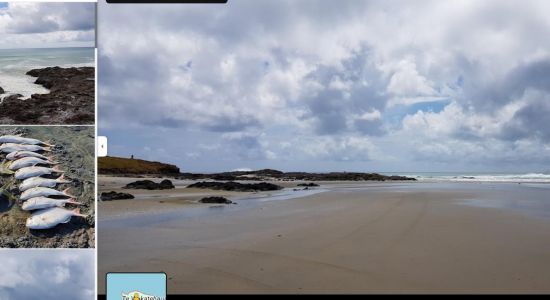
<point>119,165</point>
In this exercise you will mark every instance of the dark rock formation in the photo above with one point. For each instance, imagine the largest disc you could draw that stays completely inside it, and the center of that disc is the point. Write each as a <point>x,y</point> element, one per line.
<point>150,185</point>
<point>166,184</point>
<point>1,90</point>
<point>236,186</point>
<point>70,100</point>
<point>109,196</point>
<point>267,174</point>
<point>217,200</point>
<point>311,184</point>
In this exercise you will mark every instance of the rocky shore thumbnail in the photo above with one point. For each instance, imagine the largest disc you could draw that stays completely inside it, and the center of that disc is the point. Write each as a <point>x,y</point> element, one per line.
<point>70,100</point>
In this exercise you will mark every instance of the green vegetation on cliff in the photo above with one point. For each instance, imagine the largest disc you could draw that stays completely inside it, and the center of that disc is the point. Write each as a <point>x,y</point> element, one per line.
<point>119,165</point>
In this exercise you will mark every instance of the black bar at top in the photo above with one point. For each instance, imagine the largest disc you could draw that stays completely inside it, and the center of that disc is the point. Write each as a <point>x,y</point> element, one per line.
<point>166,1</point>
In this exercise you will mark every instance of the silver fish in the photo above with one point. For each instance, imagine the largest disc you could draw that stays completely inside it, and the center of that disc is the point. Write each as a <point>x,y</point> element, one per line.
<point>20,154</point>
<point>10,147</point>
<point>43,191</point>
<point>51,217</point>
<point>40,181</point>
<point>44,202</point>
<point>16,139</point>
<point>28,172</point>
<point>29,161</point>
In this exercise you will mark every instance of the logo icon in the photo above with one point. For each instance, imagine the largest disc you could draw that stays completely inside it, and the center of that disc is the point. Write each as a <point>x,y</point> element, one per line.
<point>136,286</point>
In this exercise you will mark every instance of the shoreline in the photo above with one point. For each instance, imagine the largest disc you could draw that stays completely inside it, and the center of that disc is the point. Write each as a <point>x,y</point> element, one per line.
<point>354,238</point>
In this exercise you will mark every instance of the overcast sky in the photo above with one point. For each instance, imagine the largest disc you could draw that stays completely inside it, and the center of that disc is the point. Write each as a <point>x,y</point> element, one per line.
<point>50,274</point>
<point>45,25</point>
<point>329,85</point>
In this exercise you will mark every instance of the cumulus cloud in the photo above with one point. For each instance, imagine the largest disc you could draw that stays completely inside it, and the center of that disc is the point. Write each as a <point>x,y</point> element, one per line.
<point>372,82</point>
<point>47,274</point>
<point>31,24</point>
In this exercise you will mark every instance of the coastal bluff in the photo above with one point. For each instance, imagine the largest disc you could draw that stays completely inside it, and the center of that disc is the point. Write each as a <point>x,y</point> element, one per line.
<point>111,165</point>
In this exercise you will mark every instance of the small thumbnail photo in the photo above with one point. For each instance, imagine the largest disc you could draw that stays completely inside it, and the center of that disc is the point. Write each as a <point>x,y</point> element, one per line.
<point>47,187</point>
<point>47,63</point>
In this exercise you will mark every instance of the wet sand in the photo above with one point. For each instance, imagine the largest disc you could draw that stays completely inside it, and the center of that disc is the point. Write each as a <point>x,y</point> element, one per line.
<point>353,238</point>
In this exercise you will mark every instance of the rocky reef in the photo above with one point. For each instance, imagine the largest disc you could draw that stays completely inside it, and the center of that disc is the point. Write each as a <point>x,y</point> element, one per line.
<point>70,100</point>
<point>236,186</point>
<point>270,174</point>
<point>150,185</point>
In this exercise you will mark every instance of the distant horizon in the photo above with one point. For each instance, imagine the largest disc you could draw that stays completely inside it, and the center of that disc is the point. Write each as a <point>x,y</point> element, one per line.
<point>38,48</point>
<point>184,170</point>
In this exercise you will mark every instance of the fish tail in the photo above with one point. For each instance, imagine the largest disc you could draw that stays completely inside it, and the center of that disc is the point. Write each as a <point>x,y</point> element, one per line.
<point>51,161</point>
<point>66,192</point>
<point>73,201</point>
<point>47,148</point>
<point>47,143</point>
<point>77,213</point>
<point>61,179</point>
<point>57,170</point>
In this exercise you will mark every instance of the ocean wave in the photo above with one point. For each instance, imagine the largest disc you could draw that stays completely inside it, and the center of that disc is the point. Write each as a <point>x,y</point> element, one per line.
<point>527,177</point>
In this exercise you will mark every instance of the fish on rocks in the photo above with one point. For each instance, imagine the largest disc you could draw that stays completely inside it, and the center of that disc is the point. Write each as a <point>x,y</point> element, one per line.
<point>11,147</point>
<point>17,139</point>
<point>41,182</point>
<point>28,172</point>
<point>30,161</point>
<point>20,154</point>
<point>45,202</point>
<point>51,217</point>
<point>44,192</point>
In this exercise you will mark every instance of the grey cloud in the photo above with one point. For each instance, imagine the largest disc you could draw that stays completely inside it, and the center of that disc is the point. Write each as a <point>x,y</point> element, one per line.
<point>50,17</point>
<point>47,274</point>
<point>364,90</point>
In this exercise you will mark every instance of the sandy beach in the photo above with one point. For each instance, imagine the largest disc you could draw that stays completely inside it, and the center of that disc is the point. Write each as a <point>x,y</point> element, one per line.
<point>347,238</point>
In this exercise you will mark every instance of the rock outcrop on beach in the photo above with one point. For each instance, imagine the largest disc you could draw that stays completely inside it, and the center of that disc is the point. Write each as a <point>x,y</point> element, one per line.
<point>236,186</point>
<point>112,195</point>
<point>269,174</point>
<point>70,100</point>
<point>311,184</point>
<point>216,200</point>
<point>1,90</point>
<point>111,165</point>
<point>150,185</point>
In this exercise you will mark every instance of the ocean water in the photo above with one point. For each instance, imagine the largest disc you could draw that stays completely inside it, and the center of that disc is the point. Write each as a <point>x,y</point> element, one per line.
<point>14,63</point>
<point>478,177</point>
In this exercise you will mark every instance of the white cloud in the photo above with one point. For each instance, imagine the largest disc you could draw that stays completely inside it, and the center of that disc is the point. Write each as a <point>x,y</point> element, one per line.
<point>336,79</point>
<point>32,24</point>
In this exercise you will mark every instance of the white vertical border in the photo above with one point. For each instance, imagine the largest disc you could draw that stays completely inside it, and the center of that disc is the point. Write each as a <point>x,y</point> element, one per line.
<point>95,152</point>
